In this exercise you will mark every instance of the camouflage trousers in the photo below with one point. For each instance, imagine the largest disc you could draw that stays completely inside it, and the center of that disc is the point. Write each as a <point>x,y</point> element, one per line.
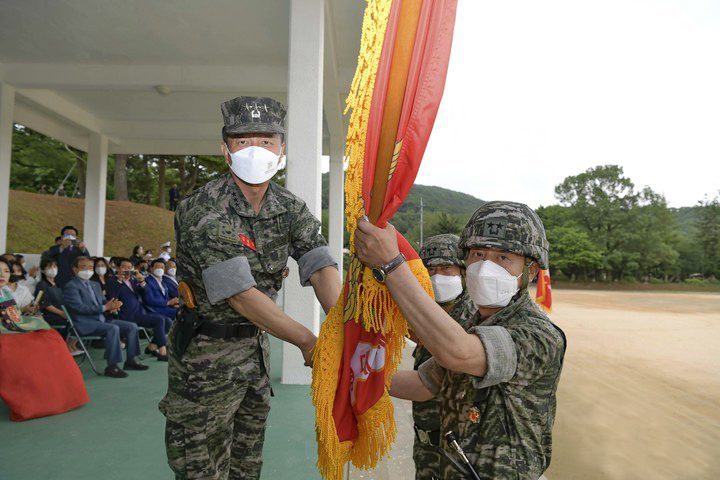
<point>216,408</point>
<point>427,461</point>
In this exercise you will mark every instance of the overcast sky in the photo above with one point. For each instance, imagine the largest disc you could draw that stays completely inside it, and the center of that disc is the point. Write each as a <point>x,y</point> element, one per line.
<point>538,91</point>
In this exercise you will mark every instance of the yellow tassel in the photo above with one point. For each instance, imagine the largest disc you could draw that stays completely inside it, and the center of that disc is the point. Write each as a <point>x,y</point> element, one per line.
<point>359,100</point>
<point>376,426</point>
<point>370,299</point>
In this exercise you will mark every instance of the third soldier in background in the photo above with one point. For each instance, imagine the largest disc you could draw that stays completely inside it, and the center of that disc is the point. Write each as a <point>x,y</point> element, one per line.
<point>440,256</point>
<point>233,238</point>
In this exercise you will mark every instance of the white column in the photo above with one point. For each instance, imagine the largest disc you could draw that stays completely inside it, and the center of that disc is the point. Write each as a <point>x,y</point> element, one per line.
<point>7,105</point>
<point>336,203</point>
<point>304,126</point>
<point>93,233</point>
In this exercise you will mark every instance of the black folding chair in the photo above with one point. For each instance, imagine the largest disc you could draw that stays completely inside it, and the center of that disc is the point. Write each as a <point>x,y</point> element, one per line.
<point>72,332</point>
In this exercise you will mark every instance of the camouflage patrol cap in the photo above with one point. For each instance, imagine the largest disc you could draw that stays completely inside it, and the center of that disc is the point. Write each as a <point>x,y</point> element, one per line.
<point>253,115</point>
<point>441,250</point>
<point>509,226</point>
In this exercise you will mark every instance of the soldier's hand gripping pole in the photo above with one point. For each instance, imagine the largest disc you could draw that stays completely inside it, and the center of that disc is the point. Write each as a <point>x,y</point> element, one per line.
<point>452,441</point>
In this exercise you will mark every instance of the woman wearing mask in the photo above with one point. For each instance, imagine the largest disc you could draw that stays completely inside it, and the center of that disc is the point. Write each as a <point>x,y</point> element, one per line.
<point>23,296</point>
<point>102,274</point>
<point>29,276</point>
<point>137,255</point>
<point>52,300</point>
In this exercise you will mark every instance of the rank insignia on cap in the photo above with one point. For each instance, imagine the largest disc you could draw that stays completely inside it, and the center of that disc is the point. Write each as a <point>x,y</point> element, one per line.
<point>474,415</point>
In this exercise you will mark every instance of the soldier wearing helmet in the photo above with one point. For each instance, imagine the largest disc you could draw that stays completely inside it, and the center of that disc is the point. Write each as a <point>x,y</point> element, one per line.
<point>440,256</point>
<point>496,358</point>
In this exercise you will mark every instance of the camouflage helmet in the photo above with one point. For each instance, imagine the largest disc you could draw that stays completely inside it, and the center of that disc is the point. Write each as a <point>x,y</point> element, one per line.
<point>441,250</point>
<point>509,226</point>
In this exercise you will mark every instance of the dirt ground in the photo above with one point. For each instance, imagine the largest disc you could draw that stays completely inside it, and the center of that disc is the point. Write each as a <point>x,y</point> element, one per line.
<point>639,397</point>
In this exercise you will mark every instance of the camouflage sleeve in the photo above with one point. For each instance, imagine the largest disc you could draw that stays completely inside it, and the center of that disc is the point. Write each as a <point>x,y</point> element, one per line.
<point>225,279</point>
<point>540,348</point>
<point>431,374</point>
<point>499,353</point>
<point>307,245</point>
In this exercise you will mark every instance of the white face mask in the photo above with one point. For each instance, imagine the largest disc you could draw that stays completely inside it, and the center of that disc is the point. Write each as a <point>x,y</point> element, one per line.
<point>101,270</point>
<point>254,165</point>
<point>51,272</point>
<point>489,284</point>
<point>158,272</point>
<point>85,274</point>
<point>446,287</point>
<point>171,271</point>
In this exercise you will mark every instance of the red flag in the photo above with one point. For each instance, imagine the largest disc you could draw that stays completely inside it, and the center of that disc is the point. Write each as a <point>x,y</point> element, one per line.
<point>543,296</point>
<point>394,98</point>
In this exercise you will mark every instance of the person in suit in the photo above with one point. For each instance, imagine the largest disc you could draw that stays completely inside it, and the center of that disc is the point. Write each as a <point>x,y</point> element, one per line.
<point>174,197</point>
<point>155,294</point>
<point>70,248</point>
<point>170,280</point>
<point>128,288</point>
<point>88,307</point>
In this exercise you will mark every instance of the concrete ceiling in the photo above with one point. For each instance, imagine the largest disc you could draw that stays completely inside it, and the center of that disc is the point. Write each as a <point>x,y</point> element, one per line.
<point>82,66</point>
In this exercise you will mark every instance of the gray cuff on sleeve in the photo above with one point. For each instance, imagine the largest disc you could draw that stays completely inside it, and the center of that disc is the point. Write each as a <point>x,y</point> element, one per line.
<point>225,279</point>
<point>500,354</point>
<point>313,261</point>
<point>431,375</point>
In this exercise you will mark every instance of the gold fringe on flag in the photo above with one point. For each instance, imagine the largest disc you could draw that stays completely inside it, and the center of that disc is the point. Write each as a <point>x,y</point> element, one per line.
<point>371,300</point>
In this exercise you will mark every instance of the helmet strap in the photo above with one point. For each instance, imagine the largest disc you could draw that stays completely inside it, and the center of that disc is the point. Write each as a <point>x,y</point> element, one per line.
<point>526,274</point>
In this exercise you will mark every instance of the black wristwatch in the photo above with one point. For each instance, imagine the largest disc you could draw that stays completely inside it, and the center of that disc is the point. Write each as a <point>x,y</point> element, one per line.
<point>381,272</point>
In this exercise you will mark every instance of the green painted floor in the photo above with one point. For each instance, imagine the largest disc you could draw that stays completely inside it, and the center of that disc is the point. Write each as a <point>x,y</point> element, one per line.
<point>119,434</point>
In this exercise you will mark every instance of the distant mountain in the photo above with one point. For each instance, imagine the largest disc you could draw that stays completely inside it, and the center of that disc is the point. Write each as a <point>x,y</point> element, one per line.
<point>456,207</point>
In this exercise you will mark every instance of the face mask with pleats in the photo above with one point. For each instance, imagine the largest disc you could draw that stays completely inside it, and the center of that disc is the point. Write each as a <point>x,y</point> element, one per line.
<point>489,284</point>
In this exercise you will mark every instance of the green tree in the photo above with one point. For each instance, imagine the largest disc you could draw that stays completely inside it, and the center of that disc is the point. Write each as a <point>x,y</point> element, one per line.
<point>708,228</point>
<point>572,252</point>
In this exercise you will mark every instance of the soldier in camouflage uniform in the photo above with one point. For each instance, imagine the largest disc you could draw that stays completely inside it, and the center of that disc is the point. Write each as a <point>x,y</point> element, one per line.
<point>440,256</point>
<point>497,361</point>
<point>234,236</point>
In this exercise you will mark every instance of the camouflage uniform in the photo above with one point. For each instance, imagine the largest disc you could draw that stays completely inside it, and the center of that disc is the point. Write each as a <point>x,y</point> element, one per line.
<point>439,250</point>
<point>504,420</point>
<point>219,392</point>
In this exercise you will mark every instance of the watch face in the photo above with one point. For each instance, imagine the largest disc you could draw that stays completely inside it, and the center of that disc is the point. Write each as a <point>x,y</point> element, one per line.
<point>378,274</point>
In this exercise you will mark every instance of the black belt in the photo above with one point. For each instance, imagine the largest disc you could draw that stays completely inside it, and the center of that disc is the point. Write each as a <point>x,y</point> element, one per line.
<point>231,330</point>
<point>428,437</point>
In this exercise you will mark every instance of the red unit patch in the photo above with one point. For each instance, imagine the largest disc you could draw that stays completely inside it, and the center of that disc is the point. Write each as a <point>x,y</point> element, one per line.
<point>247,242</point>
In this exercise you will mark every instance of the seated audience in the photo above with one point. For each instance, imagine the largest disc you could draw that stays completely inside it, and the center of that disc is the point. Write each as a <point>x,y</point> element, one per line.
<point>65,254</point>
<point>170,280</point>
<point>24,278</point>
<point>148,256</point>
<point>51,301</point>
<point>102,274</point>
<point>129,289</point>
<point>88,307</point>
<point>142,267</point>
<point>22,295</point>
<point>155,294</point>
<point>137,255</point>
